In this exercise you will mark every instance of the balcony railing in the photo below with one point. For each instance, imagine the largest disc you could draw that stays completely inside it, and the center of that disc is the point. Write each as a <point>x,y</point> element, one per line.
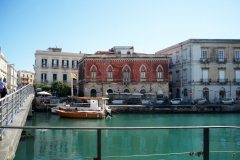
<point>205,60</point>
<point>205,80</point>
<point>236,81</point>
<point>64,66</point>
<point>44,80</point>
<point>44,66</point>
<point>222,81</point>
<point>74,67</point>
<point>236,60</point>
<point>55,66</point>
<point>222,60</point>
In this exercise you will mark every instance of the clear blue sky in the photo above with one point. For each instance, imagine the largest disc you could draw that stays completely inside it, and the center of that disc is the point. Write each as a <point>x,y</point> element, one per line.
<point>92,25</point>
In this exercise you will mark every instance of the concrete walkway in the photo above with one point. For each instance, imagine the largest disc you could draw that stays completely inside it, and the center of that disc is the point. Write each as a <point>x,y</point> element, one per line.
<point>11,137</point>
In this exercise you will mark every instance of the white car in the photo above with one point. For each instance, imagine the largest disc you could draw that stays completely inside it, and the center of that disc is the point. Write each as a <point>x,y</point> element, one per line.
<point>159,101</point>
<point>227,101</point>
<point>200,101</point>
<point>176,101</point>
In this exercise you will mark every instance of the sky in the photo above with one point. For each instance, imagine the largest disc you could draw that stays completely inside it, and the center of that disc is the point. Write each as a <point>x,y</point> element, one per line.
<point>98,25</point>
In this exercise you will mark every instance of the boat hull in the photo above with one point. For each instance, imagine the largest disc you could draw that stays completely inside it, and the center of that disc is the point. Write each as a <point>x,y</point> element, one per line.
<point>81,114</point>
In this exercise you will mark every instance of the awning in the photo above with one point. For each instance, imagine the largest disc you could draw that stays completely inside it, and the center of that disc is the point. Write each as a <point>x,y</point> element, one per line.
<point>114,93</point>
<point>150,93</point>
<point>159,92</point>
<point>126,93</point>
<point>44,93</point>
<point>137,94</point>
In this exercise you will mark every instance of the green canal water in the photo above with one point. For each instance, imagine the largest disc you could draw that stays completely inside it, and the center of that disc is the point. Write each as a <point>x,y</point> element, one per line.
<point>174,144</point>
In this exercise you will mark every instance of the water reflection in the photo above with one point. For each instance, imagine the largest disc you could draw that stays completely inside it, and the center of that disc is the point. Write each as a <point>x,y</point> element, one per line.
<point>150,144</point>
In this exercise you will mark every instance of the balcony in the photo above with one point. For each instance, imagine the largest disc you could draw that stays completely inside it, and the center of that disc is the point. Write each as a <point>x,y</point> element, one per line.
<point>236,81</point>
<point>55,66</point>
<point>74,67</point>
<point>64,66</point>
<point>143,79</point>
<point>171,65</point>
<point>44,80</point>
<point>93,79</point>
<point>205,60</point>
<point>44,66</point>
<point>222,81</point>
<point>109,79</point>
<point>222,60</point>
<point>205,81</point>
<point>236,60</point>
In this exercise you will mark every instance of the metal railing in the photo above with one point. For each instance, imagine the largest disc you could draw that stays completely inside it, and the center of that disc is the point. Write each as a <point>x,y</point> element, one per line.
<point>204,153</point>
<point>11,103</point>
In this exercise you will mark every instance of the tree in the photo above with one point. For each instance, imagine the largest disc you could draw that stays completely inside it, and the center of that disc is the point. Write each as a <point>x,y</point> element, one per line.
<point>61,88</point>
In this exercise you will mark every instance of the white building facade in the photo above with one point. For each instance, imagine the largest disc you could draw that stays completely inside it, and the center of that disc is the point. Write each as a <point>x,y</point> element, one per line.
<point>54,65</point>
<point>207,68</point>
<point>3,66</point>
<point>12,78</point>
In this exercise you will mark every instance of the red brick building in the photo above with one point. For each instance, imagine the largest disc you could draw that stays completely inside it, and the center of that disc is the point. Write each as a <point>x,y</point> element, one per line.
<point>122,70</point>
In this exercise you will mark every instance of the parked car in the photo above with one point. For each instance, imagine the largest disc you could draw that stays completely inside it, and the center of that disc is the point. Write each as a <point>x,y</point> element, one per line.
<point>176,101</point>
<point>226,101</point>
<point>134,101</point>
<point>159,101</point>
<point>200,101</point>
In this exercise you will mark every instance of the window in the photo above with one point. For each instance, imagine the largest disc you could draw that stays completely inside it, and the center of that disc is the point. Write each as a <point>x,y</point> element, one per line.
<point>93,74</point>
<point>44,62</point>
<point>143,74</point>
<point>54,77</point>
<point>221,54</point>
<point>205,75</point>
<point>177,57</point>
<point>177,75</point>
<point>237,75</point>
<point>159,74</point>
<point>128,52</point>
<point>23,75</point>
<point>43,77</point>
<point>170,77</point>
<point>185,55</point>
<point>126,74</point>
<point>64,77</point>
<point>74,64</point>
<point>237,54</point>
<point>221,75</point>
<point>185,92</point>
<point>119,52</point>
<point>204,54</point>
<point>185,74</point>
<point>109,74</point>
<point>54,63</point>
<point>65,63</point>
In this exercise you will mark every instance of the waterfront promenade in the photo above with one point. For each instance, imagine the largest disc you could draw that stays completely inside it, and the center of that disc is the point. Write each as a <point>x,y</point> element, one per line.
<point>14,110</point>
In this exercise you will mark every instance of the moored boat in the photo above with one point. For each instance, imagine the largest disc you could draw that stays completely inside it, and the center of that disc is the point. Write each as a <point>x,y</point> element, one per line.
<point>84,107</point>
<point>81,114</point>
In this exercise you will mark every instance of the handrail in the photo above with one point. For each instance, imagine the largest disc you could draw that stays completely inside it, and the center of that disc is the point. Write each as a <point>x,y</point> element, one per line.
<point>117,128</point>
<point>206,129</point>
<point>11,104</point>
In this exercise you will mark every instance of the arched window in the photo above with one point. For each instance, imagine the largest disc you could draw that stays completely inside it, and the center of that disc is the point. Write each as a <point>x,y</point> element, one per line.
<point>109,91</point>
<point>206,93</point>
<point>222,93</point>
<point>126,91</point>
<point>109,72</point>
<point>143,70</point>
<point>93,71</point>
<point>126,72</point>
<point>159,71</point>
<point>93,93</point>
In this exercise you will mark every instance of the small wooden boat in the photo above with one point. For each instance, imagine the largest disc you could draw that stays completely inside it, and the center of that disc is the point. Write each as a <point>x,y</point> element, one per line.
<point>89,107</point>
<point>81,114</point>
